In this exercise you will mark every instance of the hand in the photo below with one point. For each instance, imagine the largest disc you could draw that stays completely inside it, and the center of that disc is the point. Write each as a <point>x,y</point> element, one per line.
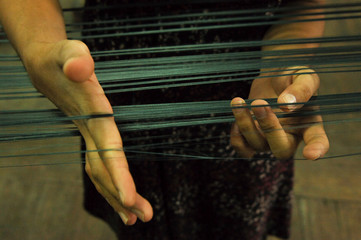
<point>64,72</point>
<point>267,132</point>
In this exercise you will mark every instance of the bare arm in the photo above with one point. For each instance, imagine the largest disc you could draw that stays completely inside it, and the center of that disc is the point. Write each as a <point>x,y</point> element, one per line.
<point>32,21</point>
<point>296,30</point>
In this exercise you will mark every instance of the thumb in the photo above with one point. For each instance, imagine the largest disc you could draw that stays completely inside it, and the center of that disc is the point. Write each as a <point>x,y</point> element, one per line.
<point>304,85</point>
<point>75,60</point>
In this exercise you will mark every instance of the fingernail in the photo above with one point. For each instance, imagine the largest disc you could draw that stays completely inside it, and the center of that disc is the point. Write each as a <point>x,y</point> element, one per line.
<point>237,104</point>
<point>139,214</point>
<point>260,112</point>
<point>289,98</point>
<point>123,217</point>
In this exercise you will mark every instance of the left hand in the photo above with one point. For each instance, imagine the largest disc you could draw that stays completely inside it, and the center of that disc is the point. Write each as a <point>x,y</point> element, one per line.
<point>267,132</point>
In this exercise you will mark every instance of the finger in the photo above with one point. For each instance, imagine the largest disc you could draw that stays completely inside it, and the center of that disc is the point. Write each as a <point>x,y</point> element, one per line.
<point>316,141</point>
<point>304,85</point>
<point>247,127</point>
<point>102,182</point>
<point>142,209</point>
<point>107,139</point>
<point>75,59</point>
<point>127,216</point>
<point>279,142</point>
<point>239,143</point>
<point>99,175</point>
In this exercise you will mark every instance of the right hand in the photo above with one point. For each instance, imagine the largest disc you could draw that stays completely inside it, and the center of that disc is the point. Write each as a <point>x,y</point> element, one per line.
<point>64,73</point>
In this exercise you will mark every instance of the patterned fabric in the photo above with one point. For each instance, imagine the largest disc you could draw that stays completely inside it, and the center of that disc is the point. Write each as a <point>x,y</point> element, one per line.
<point>223,198</point>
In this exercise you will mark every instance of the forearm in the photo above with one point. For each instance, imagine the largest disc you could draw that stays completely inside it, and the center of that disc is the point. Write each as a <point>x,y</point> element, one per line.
<point>297,30</point>
<point>28,22</point>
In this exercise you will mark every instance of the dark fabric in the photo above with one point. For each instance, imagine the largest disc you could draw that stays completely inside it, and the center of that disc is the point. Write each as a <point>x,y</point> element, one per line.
<point>224,198</point>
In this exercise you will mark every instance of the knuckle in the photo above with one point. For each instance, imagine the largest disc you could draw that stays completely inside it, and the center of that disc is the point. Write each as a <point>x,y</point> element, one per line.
<point>244,127</point>
<point>267,126</point>
<point>129,201</point>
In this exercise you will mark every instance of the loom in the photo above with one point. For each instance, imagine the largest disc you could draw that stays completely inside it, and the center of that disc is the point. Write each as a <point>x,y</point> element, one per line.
<point>342,54</point>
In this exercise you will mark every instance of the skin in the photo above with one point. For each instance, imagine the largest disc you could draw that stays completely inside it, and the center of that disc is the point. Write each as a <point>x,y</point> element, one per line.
<point>267,132</point>
<point>63,70</point>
